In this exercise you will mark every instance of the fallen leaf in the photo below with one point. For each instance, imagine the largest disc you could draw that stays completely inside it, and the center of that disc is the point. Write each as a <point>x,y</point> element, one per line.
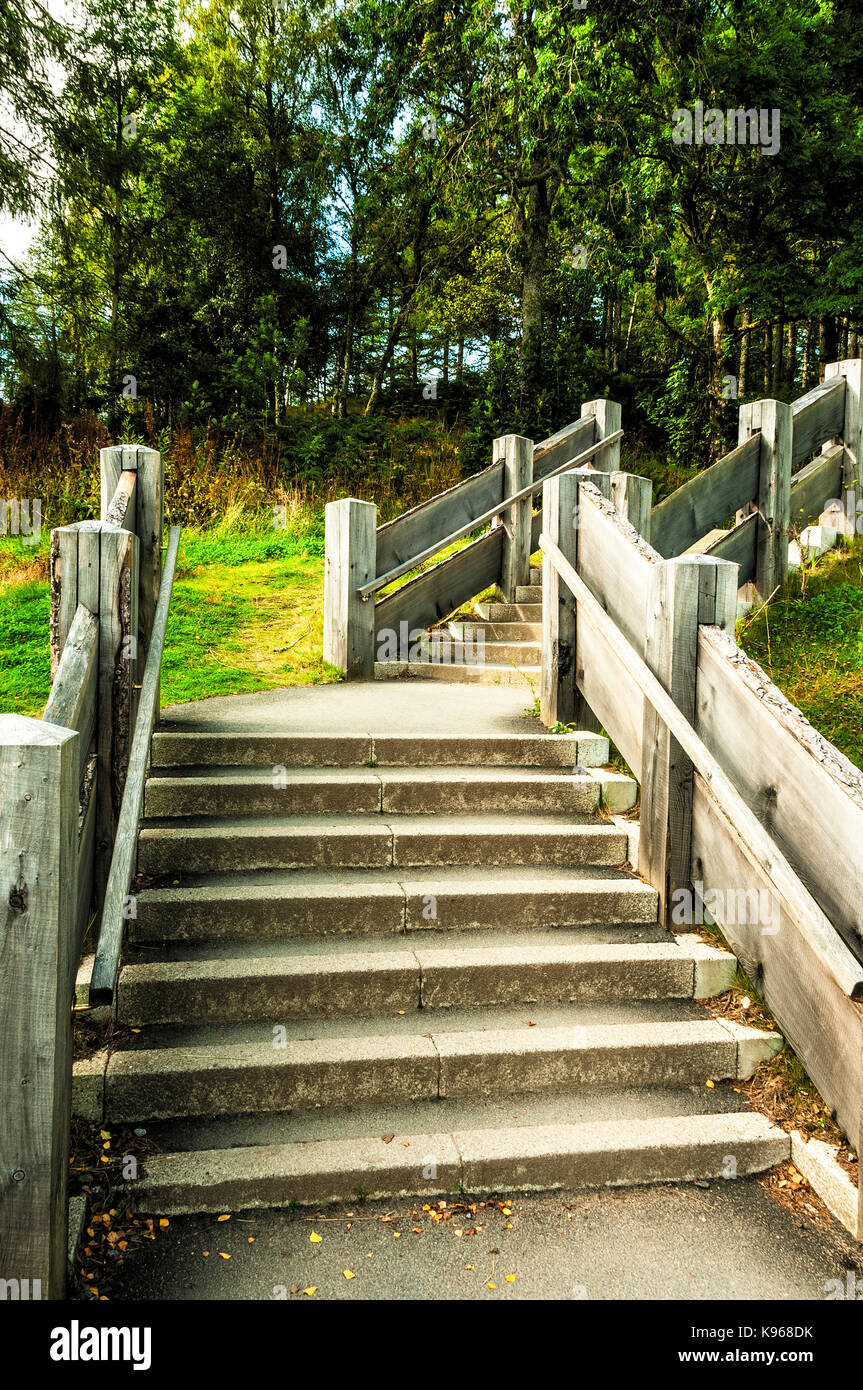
<point>163,1221</point>
<point>224,1218</point>
<point>710,1085</point>
<point>510,1278</point>
<point>491,1285</point>
<point>388,1138</point>
<point>349,1274</point>
<point>315,1239</point>
<point>312,1289</point>
<point>223,1255</point>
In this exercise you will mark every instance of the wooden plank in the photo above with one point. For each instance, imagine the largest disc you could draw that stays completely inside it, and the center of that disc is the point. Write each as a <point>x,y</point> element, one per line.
<point>780,948</point>
<point>557,676</point>
<point>38,852</point>
<point>609,691</point>
<point>441,590</point>
<point>106,963</point>
<point>118,648</point>
<point>86,860</point>
<point>149,526</point>
<point>814,486</point>
<point>851,373</point>
<point>74,580</point>
<point>607,415</point>
<point>817,416</point>
<point>632,497</point>
<point>400,540</point>
<point>516,454</point>
<point>773,421</point>
<point>121,508</point>
<point>834,955</point>
<point>114,460</point>
<point>707,500</point>
<point>682,593</point>
<point>738,546</point>
<point>615,563</point>
<point>349,544</point>
<point>73,701</point>
<point>803,790</point>
<point>565,444</point>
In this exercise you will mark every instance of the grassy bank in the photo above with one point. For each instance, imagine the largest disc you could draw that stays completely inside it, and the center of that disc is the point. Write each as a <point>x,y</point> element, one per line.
<point>810,642</point>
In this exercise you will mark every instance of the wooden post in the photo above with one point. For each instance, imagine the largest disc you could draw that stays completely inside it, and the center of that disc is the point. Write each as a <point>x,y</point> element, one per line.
<point>582,715</point>
<point>852,440</point>
<point>74,579</point>
<point>39,765</point>
<point>557,678</point>
<point>633,498</point>
<point>608,416</point>
<point>118,698</point>
<point>350,544</point>
<point>775,421</point>
<point>685,592</point>
<point>516,454</point>
<point>147,522</point>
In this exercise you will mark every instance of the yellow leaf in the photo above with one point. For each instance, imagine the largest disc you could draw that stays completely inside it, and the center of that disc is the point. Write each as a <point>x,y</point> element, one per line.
<point>491,1285</point>
<point>349,1274</point>
<point>223,1255</point>
<point>315,1238</point>
<point>397,1235</point>
<point>313,1288</point>
<point>224,1218</point>
<point>510,1278</point>
<point>105,1133</point>
<point>163,1221</point>
<point>710,1084</point>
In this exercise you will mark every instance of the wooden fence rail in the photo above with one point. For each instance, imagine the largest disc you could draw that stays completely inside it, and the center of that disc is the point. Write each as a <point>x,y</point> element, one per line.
<point>62,782</point>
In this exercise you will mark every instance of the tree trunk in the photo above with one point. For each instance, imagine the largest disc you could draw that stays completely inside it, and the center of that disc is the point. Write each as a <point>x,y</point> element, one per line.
<point>792,355</point>
<point>826,342</point>
<point>459,361</point>
<point>778,353</point>
<point>743,368</point>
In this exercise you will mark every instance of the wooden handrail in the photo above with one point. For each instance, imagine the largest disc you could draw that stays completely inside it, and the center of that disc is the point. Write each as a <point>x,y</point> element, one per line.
<point>107,960</point>
<point>366,591</point>
<point>745,827</point>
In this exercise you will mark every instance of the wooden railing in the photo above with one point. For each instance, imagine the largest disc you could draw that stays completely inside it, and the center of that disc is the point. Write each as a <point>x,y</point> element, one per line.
<point>362,558</point>
<point>66,787</point>
<point>747,813</point>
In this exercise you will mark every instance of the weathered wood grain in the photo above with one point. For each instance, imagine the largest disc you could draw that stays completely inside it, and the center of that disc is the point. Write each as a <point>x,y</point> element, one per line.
<point>121,508</point>
<point>106,963</point>
<point>557,676</point>
<point>516,454</point>
<point>800,967</point>
<point>817,416</point>
<point>565,444</point>
<point>814,486</point>
<point>73,701</point>
<point>74,580</point>
<point>773,421</point>
<point>349,543</point>
<point>118,655</point>
<point>738,546</point>
<point>408,535</point>
<point>808,796</point>
<point>707,500</point>
<point>441,590</point>
<point>608,415</point>
<point>38,853</point>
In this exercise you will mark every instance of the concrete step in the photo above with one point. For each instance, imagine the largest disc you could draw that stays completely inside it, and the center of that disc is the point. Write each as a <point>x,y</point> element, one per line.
<point>528,593</point>
<point>289,985</point>
<point>498,632</point>
<point>535,576</point>
<point>510,612</point>
<point>217,844</point>
<point>276,905</point>
<point>473,673</point>
<point>673,1148</point>
<point>198,749</point>
<point>368,791</point>
<point>282,1072</point>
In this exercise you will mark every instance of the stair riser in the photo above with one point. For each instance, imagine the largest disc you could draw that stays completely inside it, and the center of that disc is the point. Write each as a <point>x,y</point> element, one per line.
<point>245,998</point>
<point>418,1073</point>
<point>520,675</point>
<point>188,917</point>
<point>504,632</point>
<point>528,593</point>
<point>173,796</point>
<point>510,612</point>
<point>315,751</point>
<point>439,1164</point>
<point>160,852</point>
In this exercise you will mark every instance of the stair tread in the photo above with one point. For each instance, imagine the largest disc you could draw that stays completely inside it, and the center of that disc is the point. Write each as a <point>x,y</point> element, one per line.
<point>453,772</point>
<point>482,822</point>
<point>328,882</point>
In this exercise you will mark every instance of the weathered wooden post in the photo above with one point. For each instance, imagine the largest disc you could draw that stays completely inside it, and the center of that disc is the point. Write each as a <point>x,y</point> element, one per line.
<point>608,415</point>
<point>350,545</point>
<point>560,699</point>
<point>39,775</point>
<point>684,592</point>
<point>632,497</point>
<point>96,564</point>
<point>775,421</point>
<point>145,518</point>
<point>851,370</point>
<point>516,454</point>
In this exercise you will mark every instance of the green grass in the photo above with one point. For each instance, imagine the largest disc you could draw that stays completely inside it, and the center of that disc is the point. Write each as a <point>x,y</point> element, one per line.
<point>810,642</point>
<point>246,614</point>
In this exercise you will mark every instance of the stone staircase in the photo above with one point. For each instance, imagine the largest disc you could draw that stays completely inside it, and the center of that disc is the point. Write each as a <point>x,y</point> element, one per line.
<point>371,966</point>
<point>511,635</point>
